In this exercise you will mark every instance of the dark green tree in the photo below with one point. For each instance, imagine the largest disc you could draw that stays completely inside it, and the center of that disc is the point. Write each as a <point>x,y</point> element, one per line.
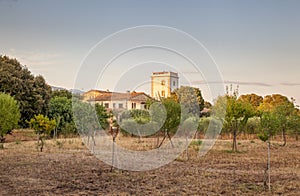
<point>60,109</point>
<point>32,93</point>
<point>102,116</point>
<point>61,93</point>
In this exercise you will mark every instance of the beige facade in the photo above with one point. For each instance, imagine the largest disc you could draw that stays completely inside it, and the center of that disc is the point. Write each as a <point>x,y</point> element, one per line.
<point>117,101</point>
<point>163,83</point>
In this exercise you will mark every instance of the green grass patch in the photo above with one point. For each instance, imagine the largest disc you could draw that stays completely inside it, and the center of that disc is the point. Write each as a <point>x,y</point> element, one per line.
<point>17,142</point>
<point>196,142</point>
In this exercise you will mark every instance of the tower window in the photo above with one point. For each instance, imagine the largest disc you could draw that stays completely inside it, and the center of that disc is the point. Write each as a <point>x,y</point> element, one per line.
<point>163,93</point>
<point>174,83</point>
<point>163,82</point>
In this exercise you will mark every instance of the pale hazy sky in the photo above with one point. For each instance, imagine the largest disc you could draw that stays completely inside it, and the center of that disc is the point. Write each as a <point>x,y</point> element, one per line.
<point>255,43</point>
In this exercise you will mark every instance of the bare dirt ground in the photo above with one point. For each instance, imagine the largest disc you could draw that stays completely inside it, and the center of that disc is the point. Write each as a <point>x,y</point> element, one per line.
<point>67,168</point>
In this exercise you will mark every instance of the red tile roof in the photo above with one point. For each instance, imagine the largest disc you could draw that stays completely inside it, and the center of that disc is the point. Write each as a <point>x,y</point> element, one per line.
<point>110,96</point>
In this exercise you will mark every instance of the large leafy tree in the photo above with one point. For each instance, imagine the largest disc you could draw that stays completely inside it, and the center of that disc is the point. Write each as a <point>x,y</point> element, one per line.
<point>282,107</point>
<point>60,109</point>
<point>32,93</point>
<point>254,99</point>
<point>9,115</point>
<point>189,97</point>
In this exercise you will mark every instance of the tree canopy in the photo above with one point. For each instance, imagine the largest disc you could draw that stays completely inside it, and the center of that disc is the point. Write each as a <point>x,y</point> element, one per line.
<point>42,126</point>
<point>234,113</point>
<point>32,93</point>
<point>9,115</point>
<point>60,109</point>
<point>190,98</point>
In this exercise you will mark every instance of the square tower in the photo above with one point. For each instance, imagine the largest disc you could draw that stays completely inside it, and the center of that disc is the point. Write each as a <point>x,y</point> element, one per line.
<point>163,83</point>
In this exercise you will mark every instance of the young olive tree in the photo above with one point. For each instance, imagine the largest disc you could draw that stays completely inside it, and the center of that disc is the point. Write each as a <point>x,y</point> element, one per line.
<point>270,124</point>
<point>42,126</point>
<point>234,114</point>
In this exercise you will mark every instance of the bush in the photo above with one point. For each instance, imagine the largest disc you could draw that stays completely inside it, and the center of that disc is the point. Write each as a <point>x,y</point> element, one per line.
<point>9,115</point>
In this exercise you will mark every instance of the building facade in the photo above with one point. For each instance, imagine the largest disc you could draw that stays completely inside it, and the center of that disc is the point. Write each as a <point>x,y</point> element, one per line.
<point>163,83</point>
<point>117,101</point>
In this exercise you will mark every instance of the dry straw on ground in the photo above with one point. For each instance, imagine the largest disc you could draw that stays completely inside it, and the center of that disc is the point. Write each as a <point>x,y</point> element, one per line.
<point>67,168</point>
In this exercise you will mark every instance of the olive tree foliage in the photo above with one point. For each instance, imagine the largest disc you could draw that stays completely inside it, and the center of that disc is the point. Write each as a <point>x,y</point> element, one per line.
<point>173,115</point>
<point>234,114</point>
<point>84,116</point>
<point>203,125</point>
<point>86,120</point>
<point>166,116</point>
<point>9,115</point>
<point>269,126</point>
<point>294,124</point>
<point>138,122</point>
<point>32,93</point>
<point>253,126</point>
<point>282,108</point>
<point>42,126</point>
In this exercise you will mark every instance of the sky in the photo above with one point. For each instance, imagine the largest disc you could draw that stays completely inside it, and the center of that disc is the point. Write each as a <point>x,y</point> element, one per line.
<point>253,44</point>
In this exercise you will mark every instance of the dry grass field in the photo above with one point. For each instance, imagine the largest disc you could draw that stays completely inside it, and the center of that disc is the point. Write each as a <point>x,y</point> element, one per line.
<point>67,168</point>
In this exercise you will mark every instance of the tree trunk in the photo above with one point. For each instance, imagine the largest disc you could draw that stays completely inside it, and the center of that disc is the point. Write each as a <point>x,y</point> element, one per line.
<point>162,141</point>
<point>170,139</point>
<point>187,148</point>
<point>234,146</point>
<point>157,139</point>
<point>283,137</point>
<point>38,142</point>
<point>113,154</point>
<point>42,145</point>
<point>269,171</point>
<point>140,136</point>
<point>2,139</point>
